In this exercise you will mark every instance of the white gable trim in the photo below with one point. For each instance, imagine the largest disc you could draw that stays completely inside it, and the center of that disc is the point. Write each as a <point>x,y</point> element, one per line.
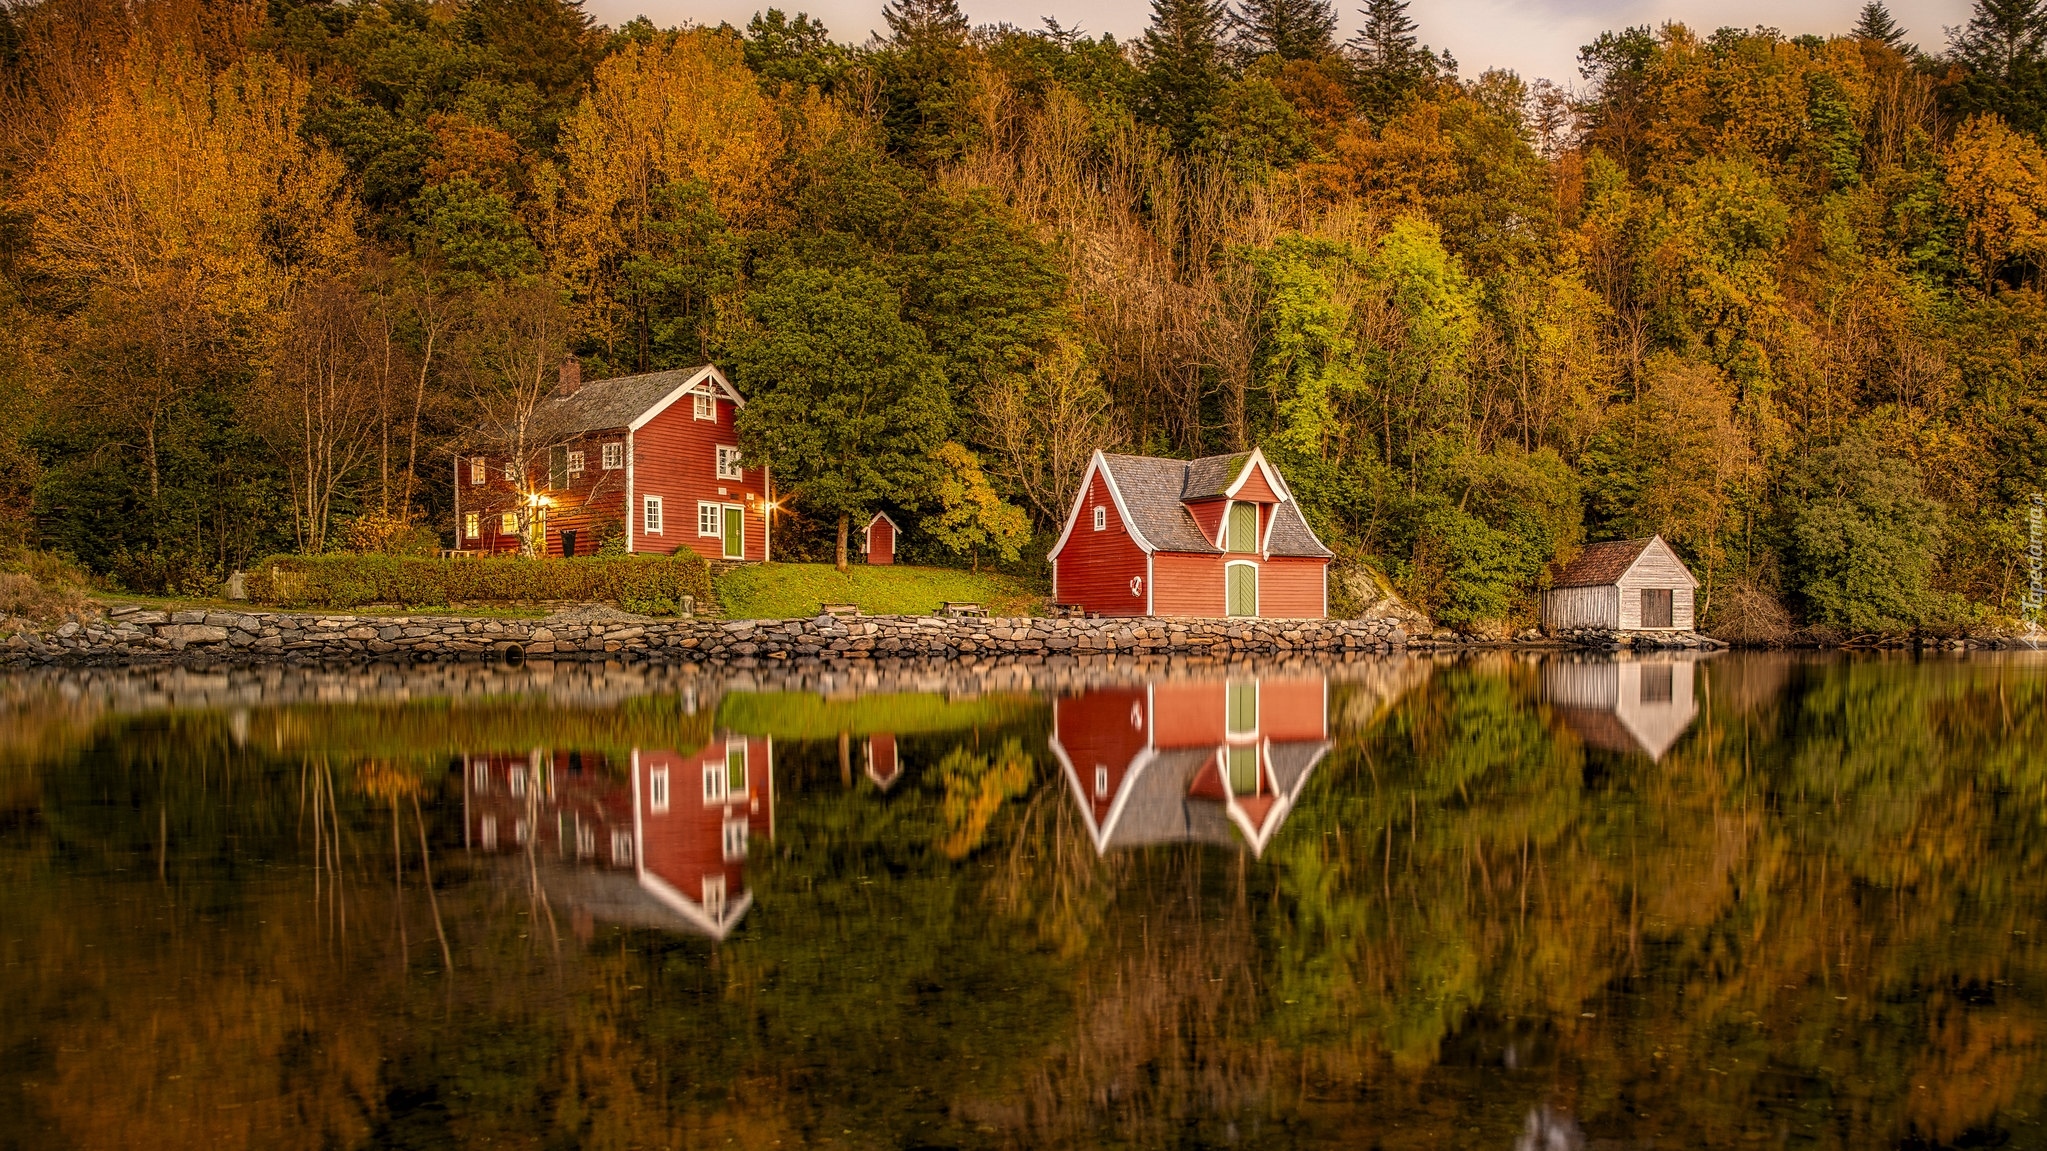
<point>867,533</point>
<point>1657,541</point>
<point>1098,463</point>
<point>1265,468</point>
<point>708,374</point>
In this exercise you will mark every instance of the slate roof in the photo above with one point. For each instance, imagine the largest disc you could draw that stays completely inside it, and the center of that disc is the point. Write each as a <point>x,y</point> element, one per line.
<point>1155,491</point>
<point>1151,489</point>
<point>1603,563</point>
<point>1210,476</point>
<point>1291,535</point>
<point>612,403</point>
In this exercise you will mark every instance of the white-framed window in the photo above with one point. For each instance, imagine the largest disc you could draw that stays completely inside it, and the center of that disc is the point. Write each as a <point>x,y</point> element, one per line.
<point>489,829</point>
<point>1101,781</point>
<point>482,773</point>
<point>650,519</point>
<point>575,463</point>
<point>518,781</point>
<point>706,406</point>
<point>472,526</point>
<point>714,897</point>
<point>1101,518</point>
<point>621,848</point>
<point>508,524</point>
<point>520,832</point>
<point>735,767</point>
<point>735,839</point>
<point>614,457</point>
<point>707,519</point>
<point>586,840</point>
<point>657,789</point>
<point>728,463</point>
<point>511,472</point>
<point>714,784</point>
<point>479,470</point>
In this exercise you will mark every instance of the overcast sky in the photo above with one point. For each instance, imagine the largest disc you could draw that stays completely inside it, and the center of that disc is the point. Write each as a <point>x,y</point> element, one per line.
<point>1537,38</point>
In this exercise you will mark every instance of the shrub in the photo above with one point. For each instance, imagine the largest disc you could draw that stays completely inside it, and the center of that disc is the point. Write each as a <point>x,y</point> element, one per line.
<point>637,582</point>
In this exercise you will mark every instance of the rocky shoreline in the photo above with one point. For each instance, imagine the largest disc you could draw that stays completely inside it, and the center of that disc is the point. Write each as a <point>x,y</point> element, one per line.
<point>130,635</point>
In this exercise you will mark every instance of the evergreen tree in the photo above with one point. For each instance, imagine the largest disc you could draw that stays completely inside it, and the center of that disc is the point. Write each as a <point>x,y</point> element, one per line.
<point>2004,49</point>
<point>847,403</point>
<point>1182,72</point>
<point>1290,29</point>
<point>925,21</point>
<point>1391,62</point>
<point>1876,24</point>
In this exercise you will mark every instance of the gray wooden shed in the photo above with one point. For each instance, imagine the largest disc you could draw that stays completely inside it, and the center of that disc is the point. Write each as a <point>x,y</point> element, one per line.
<point>1622,585</point>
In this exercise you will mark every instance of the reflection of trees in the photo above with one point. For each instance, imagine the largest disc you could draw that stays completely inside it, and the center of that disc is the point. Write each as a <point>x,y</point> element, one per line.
<point>1804,919</point>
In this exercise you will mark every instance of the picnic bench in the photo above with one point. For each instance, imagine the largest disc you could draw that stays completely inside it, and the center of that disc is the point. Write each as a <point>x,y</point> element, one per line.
<point>1068,611</point>
<point>841,610</point>
<point>957,609</point>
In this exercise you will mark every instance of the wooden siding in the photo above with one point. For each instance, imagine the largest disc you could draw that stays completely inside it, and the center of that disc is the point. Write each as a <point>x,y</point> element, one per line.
<point>1191,713</point>
<point>675,456</point>
<point>1104,729</point>
<point>881,542</point>
<point>1624,705</point>
<point>1574,607</point>
<point>1256,490</point>
<point>1096,567</point>
<point>1187,584</point>
<point>1657,568</point>
<point>1291,587</point>
<point>1209,514</point>
<point>1293,710</point>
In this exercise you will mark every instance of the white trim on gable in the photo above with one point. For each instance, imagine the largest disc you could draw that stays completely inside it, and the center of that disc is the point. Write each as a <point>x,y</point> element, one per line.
<point>1656,541</point>
<point>1098,463</point>
<point>710,373</point>
<point>867,533</point>
<point>1265,467</point>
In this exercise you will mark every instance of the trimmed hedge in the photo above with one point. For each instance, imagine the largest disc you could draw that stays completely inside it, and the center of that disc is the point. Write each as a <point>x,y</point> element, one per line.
<point>643,583</point>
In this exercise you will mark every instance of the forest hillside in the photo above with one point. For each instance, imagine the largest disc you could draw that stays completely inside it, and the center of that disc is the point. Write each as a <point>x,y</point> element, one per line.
<point>265,266</point>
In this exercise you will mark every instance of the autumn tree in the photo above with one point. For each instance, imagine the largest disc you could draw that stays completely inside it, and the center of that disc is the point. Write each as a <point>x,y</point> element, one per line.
<point>971,515</point>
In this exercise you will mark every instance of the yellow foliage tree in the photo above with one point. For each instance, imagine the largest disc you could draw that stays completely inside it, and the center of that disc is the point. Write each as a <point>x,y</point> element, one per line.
<point>1997,179</point>
<point>687,111</point>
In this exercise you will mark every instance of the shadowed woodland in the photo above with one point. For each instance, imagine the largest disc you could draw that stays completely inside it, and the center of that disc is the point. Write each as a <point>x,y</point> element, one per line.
<point>263,266</point>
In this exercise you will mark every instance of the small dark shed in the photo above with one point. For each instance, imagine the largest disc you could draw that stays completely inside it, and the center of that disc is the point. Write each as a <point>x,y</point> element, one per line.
<point>1622,585</point>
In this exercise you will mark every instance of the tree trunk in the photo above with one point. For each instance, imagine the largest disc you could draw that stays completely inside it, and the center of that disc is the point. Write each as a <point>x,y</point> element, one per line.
<point>845,525</point>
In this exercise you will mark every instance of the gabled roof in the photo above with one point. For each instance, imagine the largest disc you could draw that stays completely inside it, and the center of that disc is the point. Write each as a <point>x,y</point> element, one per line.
<point>1152,492</point>
<point>1601,564</point>
<point>629,401</point>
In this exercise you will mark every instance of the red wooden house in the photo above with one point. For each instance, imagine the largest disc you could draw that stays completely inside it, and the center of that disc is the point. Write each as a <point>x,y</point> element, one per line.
<point>1217,536</point>
<point>656,455</point>
<point>1219,761</point>
<point>659,842</point>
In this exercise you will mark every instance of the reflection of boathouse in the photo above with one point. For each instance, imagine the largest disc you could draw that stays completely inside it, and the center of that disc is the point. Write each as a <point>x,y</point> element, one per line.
<point>1624,705</point>
<point>1217,762</point>
<point>659,840</point>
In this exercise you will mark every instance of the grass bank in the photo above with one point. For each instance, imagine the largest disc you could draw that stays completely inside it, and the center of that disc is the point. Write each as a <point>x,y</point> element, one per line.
<point>792,591</point>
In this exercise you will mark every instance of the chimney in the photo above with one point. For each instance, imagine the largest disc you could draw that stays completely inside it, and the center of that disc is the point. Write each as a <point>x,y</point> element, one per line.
<point>572,375</point>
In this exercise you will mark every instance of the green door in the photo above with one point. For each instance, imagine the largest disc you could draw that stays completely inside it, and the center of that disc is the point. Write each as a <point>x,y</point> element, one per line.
<point>735,533</point>
<point>1243,589</point>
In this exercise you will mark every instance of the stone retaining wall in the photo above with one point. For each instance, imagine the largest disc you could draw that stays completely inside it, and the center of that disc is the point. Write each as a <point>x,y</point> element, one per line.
<point>130,635</point>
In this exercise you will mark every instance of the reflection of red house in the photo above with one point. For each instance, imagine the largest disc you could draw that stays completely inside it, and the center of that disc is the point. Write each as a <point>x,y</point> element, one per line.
<point>1180,761</point>
<point>884,766</point>
<point>660,841</point>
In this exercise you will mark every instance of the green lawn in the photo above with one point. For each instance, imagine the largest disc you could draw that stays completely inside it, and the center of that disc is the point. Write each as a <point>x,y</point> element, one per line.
<point>791,591</point>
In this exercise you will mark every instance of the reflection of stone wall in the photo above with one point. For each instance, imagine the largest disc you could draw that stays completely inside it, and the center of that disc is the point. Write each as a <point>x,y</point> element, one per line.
<point>135,636</point>
<point>82,695</point>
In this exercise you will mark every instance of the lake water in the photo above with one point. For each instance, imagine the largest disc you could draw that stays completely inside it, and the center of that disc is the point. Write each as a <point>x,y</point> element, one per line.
<point>1493,902</point>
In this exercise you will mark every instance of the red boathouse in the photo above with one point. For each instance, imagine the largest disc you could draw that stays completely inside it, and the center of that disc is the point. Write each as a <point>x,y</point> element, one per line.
<point>655,456</point>
<point>1217,536</point>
